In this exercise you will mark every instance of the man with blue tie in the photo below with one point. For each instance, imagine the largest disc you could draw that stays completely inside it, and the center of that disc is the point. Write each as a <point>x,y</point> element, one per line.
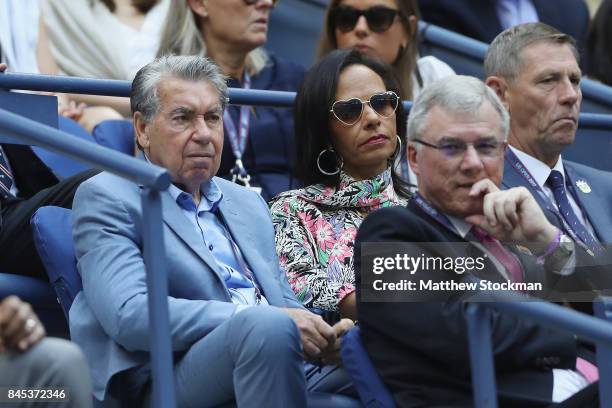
<point>238,333</point>
<point>534,70</point>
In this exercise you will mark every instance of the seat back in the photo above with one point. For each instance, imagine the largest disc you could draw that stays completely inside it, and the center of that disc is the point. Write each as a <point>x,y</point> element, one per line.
<point>52,228</point>
<point>61,165</point>
<point>115,134</point>
<point>372,391</point>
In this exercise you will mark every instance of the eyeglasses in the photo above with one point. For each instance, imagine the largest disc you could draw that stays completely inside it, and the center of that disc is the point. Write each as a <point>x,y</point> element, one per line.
<point>379,18</point>
<point>456,148</point>
<point>349,111</point>
<point>253,2</point>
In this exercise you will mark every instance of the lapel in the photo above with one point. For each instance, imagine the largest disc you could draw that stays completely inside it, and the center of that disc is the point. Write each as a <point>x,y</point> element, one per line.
<point>592,204</point>
<point>237,224</point>
<point>176,221</point>
<point>452,236</point>
<point>180,225</point>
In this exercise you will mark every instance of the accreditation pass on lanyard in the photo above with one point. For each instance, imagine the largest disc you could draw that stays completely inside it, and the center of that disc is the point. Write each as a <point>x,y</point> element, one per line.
<point>238,139</point>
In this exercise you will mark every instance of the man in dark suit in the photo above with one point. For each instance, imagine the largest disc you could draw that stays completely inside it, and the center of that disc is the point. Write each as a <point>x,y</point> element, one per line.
<point>484,19</point>
<point>27,184</point>
<point>534,70</point>
<point>457,132</point>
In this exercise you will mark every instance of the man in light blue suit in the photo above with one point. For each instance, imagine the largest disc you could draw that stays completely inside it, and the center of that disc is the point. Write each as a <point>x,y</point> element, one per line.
<point>237,331</point>
<point>534,70</point>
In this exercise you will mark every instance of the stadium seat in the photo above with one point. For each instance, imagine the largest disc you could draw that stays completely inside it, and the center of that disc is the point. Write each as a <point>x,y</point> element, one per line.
<point>61,165</point>
<point>372,391</point>
<point>115,134</point>
<point>52,228</point>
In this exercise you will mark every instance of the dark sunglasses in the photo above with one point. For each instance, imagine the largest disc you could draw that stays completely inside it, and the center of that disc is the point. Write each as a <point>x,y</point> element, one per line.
<point>349,112</point>
<point>379,18</point>
<point>252,2</point>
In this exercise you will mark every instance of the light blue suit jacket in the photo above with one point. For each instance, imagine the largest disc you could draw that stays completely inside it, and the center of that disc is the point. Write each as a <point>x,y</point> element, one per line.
<point>596,205</point>
<point>109,318</point>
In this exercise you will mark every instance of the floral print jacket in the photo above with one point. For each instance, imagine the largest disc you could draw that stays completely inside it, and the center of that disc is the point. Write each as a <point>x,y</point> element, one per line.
<point>315,234</point>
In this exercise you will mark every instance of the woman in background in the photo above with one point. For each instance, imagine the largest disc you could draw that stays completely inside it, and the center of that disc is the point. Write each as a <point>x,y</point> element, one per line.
<point>384,29</point>
<point>351,127</point>
<point>258,140</point>
<point>106,39</point>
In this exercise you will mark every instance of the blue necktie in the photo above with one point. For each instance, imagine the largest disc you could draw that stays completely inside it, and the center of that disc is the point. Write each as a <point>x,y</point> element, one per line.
<point>6,178</point>
<point>557,184</point>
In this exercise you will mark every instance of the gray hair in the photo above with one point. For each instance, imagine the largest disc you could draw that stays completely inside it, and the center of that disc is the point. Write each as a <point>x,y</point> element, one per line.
<point>455,94</point>
<point>503,57</point>
<point>182,36</point>
<point>145,98</point>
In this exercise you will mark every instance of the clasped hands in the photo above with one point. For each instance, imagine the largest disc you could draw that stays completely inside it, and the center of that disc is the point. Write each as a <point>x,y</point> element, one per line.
<point>320,341</point>
<point>512,216</point>
<point>19,326</point>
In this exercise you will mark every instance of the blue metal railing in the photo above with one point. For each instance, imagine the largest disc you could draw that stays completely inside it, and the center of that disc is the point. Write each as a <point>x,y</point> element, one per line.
<point>476,50</point>
<point>546,314</point>
<point>237,96</point>
<point>154,179</point>
<point>452,41</point>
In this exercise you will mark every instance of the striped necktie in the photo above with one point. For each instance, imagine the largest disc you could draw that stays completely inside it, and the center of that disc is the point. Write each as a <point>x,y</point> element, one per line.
<point>6,178</point>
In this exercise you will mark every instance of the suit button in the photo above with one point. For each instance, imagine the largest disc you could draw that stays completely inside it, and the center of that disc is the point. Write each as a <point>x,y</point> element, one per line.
<point>210,247</point>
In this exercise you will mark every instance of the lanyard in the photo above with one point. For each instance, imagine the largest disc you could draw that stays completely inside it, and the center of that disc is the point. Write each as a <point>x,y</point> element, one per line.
<point>433,213</point>
<point>238,137</point>
<point>520,167</point>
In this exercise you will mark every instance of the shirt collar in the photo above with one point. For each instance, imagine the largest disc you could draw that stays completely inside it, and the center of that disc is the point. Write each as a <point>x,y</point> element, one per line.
<point>539,170</point>
<point>210,193</point>
<point>462,226</point>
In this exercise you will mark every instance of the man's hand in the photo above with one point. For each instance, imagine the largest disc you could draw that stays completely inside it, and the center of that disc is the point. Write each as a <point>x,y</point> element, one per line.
<point>2,67</point>
<point>19,326</point>
<point>331,355</point>
<point>316,335</point>
<point>512,216</point>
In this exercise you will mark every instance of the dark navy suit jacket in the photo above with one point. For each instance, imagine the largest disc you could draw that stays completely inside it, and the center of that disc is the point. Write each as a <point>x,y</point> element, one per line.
<point>596,204</point>
<point>478,18</point>
<point>420,348</point>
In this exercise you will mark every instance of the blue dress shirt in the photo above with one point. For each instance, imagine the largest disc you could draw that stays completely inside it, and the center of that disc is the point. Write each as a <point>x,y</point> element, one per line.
<point>217,238</point>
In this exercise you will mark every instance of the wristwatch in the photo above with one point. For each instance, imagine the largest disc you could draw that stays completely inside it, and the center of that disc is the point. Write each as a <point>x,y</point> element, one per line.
<point>557,259</point>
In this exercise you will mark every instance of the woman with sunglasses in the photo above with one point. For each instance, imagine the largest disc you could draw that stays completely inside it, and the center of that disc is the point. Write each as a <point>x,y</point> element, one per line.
<point>351,127</point>
<point>385,29</point>
<point>258,141</point>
